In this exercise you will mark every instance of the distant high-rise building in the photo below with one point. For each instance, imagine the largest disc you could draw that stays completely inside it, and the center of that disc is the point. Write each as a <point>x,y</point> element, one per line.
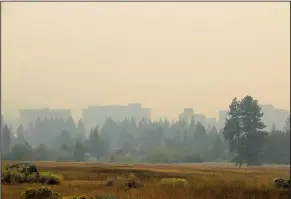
<point>275,116</point>
<point>2,121</point>
<point>96,115</point>
<point>222,118</point>
<point>187,115</point>
<point>271,116</point>
<point>212,122</point>
<point>201,119</point>
<point>28,115</point>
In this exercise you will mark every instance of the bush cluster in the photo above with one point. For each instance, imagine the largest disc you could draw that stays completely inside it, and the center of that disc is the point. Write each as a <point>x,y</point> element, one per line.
<point>12,176</point>
<point>131,181</point>
<point>40,193</point>
<point>174,182</point>
<point>77,197</point>
<point>94,197</point>
<point>45,192</point>
<point>49,178</point>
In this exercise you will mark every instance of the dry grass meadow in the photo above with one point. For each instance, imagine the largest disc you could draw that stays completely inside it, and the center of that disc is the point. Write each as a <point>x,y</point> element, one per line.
<point>205,181</point>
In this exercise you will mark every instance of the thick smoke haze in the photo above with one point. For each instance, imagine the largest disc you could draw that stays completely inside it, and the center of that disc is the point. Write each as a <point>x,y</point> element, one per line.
<point>166,56</point>
<point>148,83</point>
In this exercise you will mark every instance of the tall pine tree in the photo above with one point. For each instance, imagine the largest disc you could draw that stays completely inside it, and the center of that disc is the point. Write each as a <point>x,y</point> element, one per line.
<point>96,147</point>
<point>79,153</point>
<point>6,140</point>
<point>244,131</point>
<point>253,131</point>
<point>81,128</point>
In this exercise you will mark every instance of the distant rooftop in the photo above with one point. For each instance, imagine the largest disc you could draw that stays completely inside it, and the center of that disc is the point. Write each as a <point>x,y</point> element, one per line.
<point>267,106</point>
<point>44,109</point>
<point>114,106</point>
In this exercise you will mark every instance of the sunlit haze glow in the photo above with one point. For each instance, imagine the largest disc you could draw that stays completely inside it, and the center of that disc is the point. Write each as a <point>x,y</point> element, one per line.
<point>166,56</point>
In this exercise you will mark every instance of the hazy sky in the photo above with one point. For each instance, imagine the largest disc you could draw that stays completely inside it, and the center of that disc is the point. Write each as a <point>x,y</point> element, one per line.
<point>166,56</point>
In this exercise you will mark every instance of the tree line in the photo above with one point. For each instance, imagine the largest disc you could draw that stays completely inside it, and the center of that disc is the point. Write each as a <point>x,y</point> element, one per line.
<point>243,140</point>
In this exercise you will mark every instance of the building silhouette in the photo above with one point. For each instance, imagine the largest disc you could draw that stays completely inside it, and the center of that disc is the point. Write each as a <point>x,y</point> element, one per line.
<point>271,116</point>
<point>222,116</point>
<point>274,115</point>
<point>28,115</point>
<point>188,114</point>
<point>96,115</point>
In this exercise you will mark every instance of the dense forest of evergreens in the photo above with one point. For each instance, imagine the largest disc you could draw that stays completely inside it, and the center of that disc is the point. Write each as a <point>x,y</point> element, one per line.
<point>243,140</point>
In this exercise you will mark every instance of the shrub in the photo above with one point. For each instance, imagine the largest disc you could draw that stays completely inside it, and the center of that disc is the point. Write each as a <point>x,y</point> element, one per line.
<point>56,195</point>
<point>133,181</point>
<point>159,157</point>
<point>40,193</point>
<point>83,197</point>
<point>94,197</point>
<point>44,192</point>
<point>132,178</point>
<point>49,178</point>
<point>174,182</point>
<point>16,176</point>
<point>122,182</point>
<point>31,178</point>
<point>29,193</point>
<point>105,197</point>
<point>109,182</point>
<point>12,176</point>
<point>70,197</point>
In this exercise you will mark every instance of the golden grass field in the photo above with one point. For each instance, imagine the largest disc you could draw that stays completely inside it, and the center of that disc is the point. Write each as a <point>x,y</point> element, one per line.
<point>205,181</point>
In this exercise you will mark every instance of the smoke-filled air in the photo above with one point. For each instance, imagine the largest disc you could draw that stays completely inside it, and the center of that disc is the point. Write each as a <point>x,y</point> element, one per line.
<point>140,100</point>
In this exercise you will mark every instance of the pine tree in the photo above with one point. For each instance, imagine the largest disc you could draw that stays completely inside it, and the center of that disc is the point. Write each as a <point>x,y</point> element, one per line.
<point>1,133</point>
<point>287,125</point>
<point>79,153</point>
<point>214,131</point>
<point>274,128</point>
<point>253,131</point>
<point>96,147</point>
<point>81,128</point>
<point>20,139</point>
<point>218,148</point>
<point>20,129</point>
<point>64,138</point>
<point>200,132</point>
<point>232,127</point>
<point>20,135</point>
<point>6,140</point>
<point>192,128</point>
<point>41,152</point>
<point>22,152</point>
<point>185,138</point>
<point>244,131</point>
<point>70,126</point>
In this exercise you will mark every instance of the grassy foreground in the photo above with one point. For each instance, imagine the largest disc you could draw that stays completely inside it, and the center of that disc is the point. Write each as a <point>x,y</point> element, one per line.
<point>204,181</point>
